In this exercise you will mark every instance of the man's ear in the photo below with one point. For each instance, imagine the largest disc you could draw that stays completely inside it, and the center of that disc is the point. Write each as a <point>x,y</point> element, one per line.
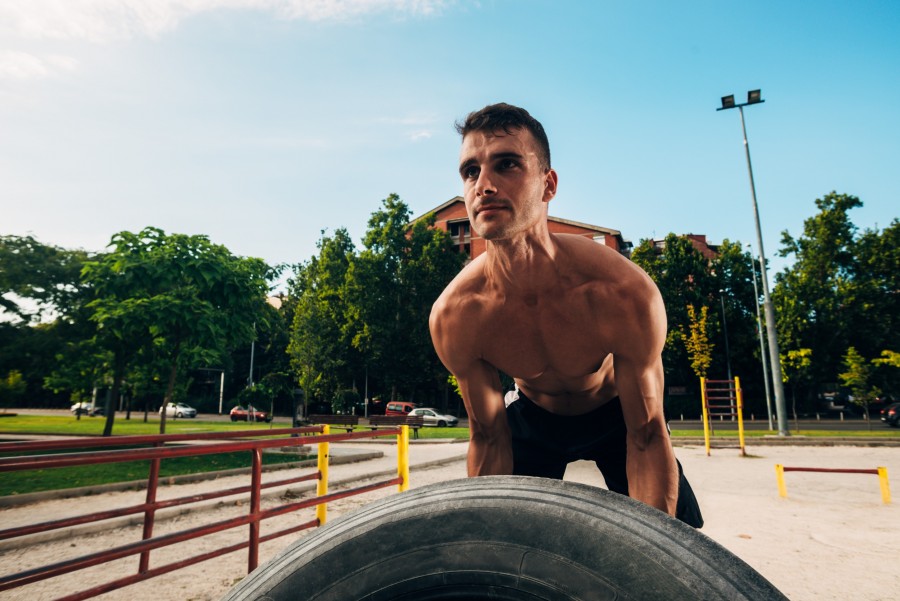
<point>550,182</point>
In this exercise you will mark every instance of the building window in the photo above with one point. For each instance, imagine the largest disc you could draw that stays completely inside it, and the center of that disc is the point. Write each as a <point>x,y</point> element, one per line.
<point>459,230</point>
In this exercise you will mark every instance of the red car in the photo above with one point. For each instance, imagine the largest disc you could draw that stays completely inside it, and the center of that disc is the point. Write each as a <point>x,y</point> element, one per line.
<point>249,414</point>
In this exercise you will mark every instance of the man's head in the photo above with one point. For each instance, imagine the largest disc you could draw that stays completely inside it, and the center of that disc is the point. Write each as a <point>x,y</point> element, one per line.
<point>506,118</point>
<point>504,165</point>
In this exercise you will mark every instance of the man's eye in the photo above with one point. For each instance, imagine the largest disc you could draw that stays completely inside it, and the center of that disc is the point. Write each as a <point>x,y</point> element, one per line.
<point>470,172</point>
<point>506,164</point>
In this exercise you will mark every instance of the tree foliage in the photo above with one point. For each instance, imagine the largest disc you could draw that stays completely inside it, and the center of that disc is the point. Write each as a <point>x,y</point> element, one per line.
<point>841,290</point>
<point>696,341</point>
<point>37,279</point>
<point>181,300</point>
<point>858,379</point>
<point>364,314</point>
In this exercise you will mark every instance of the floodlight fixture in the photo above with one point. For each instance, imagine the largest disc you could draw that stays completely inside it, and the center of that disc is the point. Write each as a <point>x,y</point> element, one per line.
<point>753,97</point>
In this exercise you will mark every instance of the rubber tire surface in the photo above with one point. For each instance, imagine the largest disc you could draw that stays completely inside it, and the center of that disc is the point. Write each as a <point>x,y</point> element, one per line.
<point>505,538</point>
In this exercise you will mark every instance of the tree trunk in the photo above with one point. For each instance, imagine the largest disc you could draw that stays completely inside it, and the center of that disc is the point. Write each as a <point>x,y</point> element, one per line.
<point>118,374</point>
<point>170,389</point>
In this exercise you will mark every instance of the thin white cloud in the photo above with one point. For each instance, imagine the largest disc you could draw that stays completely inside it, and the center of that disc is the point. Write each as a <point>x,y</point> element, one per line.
<point>107,20</point>
<point>22,65</point>
<point>423,134</point>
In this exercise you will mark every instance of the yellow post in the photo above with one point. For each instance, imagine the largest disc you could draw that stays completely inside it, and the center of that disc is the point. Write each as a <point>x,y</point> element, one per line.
<point>779,471</point>
<point>885,488</point>
<point>740,412</point>
<point>403,457</point>
<point>705,414</point>
<point>322,485</point>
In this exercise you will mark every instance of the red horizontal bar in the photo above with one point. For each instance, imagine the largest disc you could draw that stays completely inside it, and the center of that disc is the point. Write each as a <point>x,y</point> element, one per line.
<point>12,464</point>
<point>142,508</point>
<point>171,567</point>
<point>112,441</point>
<point>831,470</point>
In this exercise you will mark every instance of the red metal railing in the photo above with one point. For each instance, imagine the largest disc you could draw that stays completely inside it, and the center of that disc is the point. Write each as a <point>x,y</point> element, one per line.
<point>214,443</point>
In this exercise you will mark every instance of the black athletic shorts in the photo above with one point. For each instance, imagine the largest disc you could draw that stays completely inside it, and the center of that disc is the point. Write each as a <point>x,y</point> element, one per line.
<point>545,443</point>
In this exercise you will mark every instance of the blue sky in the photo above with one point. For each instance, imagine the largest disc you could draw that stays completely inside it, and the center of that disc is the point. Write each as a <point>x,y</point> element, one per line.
<point>262,122</point>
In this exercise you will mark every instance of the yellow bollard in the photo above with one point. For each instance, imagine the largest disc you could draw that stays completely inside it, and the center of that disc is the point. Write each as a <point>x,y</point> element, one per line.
<point>779,471</point>
<point>740,414</point>
<point>403,457</point>
<point>885,488</point>
<point>322,485</point>
<point>705,414</point>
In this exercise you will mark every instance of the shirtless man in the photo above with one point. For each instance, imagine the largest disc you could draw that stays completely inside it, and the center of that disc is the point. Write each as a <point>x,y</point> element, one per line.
<point>579,327</point>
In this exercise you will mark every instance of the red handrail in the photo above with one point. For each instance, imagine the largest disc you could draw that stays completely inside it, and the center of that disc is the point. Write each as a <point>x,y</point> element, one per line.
<point>212,443</point>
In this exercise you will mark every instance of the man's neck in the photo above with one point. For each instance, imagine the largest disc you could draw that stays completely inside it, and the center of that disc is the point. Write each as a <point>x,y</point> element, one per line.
<point>523,262</point>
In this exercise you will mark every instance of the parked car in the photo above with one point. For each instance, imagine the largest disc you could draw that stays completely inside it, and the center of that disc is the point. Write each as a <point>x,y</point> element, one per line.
<point>891,415</point>
<point>249,414</point>
<point>433,418</point>
<point>84,408</point>
<point>179,410</point>
<point>399,408</point>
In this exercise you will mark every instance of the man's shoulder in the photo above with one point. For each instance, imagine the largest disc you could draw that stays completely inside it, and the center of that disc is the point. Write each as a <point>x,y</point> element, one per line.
<point>602,265</point>
<point>464,293</point>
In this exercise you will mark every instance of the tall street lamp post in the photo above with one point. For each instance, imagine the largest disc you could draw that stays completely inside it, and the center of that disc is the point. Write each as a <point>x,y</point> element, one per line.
<point>755,97</point>
<point>762,344</point>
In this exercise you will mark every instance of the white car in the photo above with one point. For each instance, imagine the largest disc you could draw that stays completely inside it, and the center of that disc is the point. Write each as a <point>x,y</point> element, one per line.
<point>179,410</point>
<point>433,418</point>
<point>87,408</point>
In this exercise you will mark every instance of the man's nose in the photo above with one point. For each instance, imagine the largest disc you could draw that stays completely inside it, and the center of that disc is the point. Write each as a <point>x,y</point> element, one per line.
<point>484,186</point>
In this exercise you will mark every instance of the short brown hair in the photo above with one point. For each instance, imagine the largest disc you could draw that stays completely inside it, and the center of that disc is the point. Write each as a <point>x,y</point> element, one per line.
<point>506,117</point>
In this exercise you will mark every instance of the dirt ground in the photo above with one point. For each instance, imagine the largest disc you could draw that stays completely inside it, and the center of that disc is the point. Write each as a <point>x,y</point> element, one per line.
<point>831,538</point>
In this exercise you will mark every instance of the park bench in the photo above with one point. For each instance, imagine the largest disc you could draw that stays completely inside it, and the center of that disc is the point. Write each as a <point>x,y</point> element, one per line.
<point>341,421</point>
<point>392,421</point>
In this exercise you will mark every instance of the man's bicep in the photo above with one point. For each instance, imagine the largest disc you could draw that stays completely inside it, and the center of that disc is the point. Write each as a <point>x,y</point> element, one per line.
<point>640,385</point>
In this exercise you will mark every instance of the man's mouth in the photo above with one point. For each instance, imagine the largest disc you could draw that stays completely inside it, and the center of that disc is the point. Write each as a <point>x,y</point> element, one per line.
<point>491,209</point>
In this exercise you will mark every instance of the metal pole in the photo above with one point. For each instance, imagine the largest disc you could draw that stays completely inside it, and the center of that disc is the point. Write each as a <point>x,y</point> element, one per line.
<point>725,328</point>
<point>221,390</point>
<point>771,331</point>
<point>762,345</point>
<point>252,352</point>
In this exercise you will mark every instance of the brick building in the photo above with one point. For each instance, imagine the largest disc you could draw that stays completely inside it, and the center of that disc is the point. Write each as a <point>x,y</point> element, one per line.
<point>452,217</point>
<point>698,241</point>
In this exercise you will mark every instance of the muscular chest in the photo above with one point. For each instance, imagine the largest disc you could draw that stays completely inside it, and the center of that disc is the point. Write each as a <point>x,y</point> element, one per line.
<point>557,338</point>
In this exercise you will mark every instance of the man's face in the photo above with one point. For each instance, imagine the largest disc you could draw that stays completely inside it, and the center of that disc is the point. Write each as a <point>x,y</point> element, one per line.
<point>505,187</point>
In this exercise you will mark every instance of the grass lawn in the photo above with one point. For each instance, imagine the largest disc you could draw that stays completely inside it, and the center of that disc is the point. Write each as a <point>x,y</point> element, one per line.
<point>93,426</point>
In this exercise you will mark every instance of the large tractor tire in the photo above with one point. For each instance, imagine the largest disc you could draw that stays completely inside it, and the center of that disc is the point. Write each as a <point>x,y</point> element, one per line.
<point>505,538</point>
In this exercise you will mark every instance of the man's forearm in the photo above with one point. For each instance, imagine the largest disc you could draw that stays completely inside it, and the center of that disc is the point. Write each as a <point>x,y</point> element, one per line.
<point>489,457</point>
<point>653,474</point>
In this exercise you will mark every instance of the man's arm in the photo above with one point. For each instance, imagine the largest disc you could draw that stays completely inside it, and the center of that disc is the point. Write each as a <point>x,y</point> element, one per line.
<point>650,464</point>
<point>490,442</point>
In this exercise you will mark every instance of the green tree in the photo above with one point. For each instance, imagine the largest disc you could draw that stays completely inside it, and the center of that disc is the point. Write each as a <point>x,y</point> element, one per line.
<point>392,284</point>
<point>811,297</point>
<point>696,341</point>
<point>795,370</point>
<point>858,379</point>
<point>39,311</point>
<point>321,340</point>
<point>12,389</point>
<point>38,280</point>
<point>177,298</point>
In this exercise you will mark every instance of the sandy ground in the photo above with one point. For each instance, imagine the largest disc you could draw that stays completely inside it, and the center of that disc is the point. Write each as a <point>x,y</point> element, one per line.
<point>831,538</point>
